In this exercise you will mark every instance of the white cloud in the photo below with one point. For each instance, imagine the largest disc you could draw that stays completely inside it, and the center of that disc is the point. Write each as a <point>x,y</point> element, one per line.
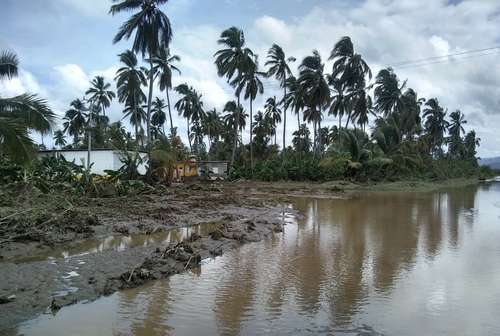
<point>72,77</point>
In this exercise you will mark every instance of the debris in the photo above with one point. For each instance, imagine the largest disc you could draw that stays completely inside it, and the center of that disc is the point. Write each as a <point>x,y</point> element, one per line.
<point>7,299</point>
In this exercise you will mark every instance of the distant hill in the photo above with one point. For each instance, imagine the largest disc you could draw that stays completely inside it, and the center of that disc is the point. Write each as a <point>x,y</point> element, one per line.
<point>493,162</point>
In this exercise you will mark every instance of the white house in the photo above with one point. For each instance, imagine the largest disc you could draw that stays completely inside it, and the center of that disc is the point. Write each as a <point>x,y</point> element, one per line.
<point>102,159</point>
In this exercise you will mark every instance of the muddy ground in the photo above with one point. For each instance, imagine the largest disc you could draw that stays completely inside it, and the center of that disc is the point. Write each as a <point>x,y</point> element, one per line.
<point>59,249</point>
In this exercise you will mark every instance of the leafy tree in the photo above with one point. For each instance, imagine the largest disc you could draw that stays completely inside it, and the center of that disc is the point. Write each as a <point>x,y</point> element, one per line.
<point>302,139</point>
<point>152,32</point>
<point>279,68</point>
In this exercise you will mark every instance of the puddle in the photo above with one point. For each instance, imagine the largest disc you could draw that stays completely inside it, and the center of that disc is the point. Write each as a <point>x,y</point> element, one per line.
<point>117,243</point>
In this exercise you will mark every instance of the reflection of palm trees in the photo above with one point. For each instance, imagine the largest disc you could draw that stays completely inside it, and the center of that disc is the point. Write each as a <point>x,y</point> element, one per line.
<point>152,319</point>
<point>235,293</point>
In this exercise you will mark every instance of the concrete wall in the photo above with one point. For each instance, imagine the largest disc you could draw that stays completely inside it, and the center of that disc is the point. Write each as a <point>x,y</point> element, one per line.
<point>103,160</point>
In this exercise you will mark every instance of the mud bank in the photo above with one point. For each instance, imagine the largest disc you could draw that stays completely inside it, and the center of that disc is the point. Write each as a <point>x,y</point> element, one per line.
<point>50,265</point>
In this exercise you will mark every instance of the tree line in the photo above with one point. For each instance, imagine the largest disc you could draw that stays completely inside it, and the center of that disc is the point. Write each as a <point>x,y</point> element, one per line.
<point>407,131</point>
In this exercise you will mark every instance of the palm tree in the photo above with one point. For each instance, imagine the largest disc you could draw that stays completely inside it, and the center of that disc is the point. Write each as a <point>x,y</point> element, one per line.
<point>158,116</point>
<point>232,62</point>
<point>388,92</point>
<point>75,120</point>
<point>153,33</point>
<point>99,93</point>
<point>235,117</point>
<point>273,113</point>
<point>59,139</point>
<point>315,90</point>
<point>212,127</point>
<point>250,83</point>
<point>190,107</point>
<point>19,115</point>
<point>435,124</point>
<point>456,127</point>
<point>279,68</point>
<point>349,72</point>
<point>294,97</point>
<point>163,66</point>
<point>129,80</point>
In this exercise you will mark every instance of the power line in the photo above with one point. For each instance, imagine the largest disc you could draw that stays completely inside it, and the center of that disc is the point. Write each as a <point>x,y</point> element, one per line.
<point>397,64</point>
<point>458,60</point>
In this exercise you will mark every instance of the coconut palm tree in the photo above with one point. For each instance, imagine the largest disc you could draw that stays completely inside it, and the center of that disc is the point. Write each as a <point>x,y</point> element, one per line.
<point>75,120</point>
<point>273,113</point>
<point>190,107</point>
<point>388,92</point>
<point>20,115</point>
<point>100,94</point>
<point>163,66</point>
<point>315,90</point>
<point>129,81</point>
<point>456,127</point>
<point>349,72</point>
<point>212,127</point>
<point>294,97</point>
<point>232,62</point>
<point>152,32</point>
<point>435,125</point>
<point>59,139</point>
<point>158,116</point>
<point>250,83</point>
<point>279,68</point>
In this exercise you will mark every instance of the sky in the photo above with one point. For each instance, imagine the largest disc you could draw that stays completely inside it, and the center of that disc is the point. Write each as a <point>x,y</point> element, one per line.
<point>63,44</point>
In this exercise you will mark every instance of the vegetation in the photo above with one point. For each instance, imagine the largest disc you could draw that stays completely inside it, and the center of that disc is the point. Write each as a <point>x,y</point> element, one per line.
<point>384,130</point>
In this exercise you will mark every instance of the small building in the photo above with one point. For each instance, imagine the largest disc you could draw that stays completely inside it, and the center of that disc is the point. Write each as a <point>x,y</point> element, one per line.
<point>101,159</point>
<point>192,169</point>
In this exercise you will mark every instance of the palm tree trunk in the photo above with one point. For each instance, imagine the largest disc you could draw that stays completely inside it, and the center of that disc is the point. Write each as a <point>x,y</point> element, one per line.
<point>150,99</point>
<point>189,136</point>
<point>170,114</point>
<point>298,119</point>
<point>89,143</point>
<point>284,118</point>
<point>233,155</point>
<point>251,129</point>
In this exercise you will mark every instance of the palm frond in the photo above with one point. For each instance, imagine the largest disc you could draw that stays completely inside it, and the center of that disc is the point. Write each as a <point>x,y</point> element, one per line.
<point>8,65</point>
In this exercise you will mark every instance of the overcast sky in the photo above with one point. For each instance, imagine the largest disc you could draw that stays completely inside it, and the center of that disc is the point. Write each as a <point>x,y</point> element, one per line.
<point>62,44</point>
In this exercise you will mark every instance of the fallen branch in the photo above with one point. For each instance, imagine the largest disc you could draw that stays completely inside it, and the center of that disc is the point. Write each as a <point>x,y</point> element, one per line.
<point>187,264</point>
<point>15,214</point>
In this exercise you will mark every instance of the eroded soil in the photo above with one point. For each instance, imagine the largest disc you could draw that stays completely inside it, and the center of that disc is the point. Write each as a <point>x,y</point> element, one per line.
<point>59,249</point>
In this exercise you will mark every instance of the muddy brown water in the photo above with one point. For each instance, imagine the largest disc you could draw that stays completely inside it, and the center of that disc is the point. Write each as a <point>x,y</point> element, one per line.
<point>378,264</point>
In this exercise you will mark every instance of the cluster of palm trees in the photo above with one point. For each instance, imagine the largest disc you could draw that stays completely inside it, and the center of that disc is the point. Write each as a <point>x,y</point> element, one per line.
<point>402,122</point>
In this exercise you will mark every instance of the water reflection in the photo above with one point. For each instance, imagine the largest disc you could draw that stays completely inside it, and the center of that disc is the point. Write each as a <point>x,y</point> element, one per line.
<point>426,263</point>
<point>120,243</point>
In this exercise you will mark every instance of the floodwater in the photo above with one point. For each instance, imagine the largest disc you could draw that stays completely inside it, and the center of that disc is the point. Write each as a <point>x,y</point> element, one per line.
<point>378,264</point>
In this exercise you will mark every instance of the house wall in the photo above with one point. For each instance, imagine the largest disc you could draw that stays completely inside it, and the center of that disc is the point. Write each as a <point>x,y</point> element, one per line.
<point>103,160</point>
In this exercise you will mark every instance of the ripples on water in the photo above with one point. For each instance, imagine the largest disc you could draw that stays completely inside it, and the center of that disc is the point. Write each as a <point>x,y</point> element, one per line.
<point>380,264</point>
